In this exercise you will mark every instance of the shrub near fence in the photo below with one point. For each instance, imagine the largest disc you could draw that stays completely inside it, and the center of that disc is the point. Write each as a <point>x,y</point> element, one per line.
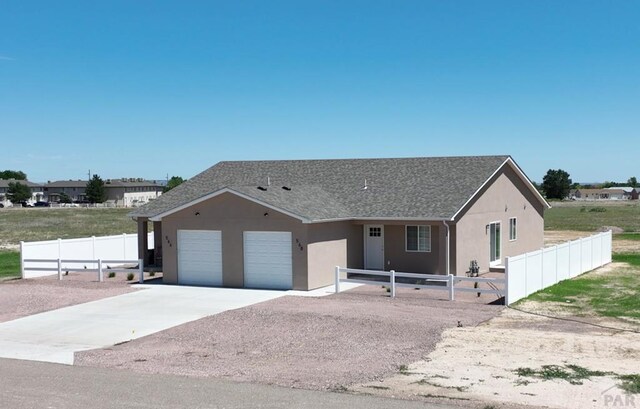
<point>119,247</point>
<point>536,270</point>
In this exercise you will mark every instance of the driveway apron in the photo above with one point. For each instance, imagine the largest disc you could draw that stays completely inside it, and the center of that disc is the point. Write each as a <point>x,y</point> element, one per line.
<point>55,336</point>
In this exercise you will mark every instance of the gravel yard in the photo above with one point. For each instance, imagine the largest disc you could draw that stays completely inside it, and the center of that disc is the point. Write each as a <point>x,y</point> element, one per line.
<point>316,343</point>
<point>19,298</point>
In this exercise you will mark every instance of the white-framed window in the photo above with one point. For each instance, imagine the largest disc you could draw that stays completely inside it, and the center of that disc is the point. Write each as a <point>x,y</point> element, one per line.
<point>513,229</point>
<point>418,238</point>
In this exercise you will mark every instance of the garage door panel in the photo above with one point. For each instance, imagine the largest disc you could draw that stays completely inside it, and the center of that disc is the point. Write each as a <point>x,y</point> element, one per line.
<point>268,260</point>
<point>200,257</point>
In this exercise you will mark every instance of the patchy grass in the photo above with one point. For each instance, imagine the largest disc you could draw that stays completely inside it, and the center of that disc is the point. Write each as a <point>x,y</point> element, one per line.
<point>575,374</point>
<point>590,217</point>
<point>630,383</point>
<point>9,264</point>
<point>627,236</point>
<point>51,223</point>
<point>615,294</point>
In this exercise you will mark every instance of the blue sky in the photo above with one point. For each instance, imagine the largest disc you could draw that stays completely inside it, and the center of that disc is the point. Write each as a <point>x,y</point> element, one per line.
<point>150,88</point>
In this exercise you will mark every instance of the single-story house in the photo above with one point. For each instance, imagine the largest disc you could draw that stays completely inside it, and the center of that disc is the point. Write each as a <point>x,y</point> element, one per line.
<point>600,194</point>
<point>630,192</point>
<point>287,224</point>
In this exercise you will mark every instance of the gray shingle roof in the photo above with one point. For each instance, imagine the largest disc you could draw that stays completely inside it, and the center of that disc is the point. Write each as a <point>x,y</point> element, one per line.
<point>429,188</point>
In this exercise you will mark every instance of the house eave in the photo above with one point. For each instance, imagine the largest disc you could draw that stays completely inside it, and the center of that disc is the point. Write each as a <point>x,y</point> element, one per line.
<point>211,195</point>
<point>520,174</point>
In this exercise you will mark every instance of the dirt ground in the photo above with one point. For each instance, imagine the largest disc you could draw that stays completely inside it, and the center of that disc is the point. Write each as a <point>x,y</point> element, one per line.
<point>619,245</point>
<point>478,364</point>
<point>326,343</point>
<point>19,298</point>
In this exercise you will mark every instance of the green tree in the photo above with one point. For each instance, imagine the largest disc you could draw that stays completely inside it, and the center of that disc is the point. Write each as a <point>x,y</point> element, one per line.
<point>64,198</point>
<point>13,174</point>
<point>556,184</point>
<point>173,182</point>
<point>633,182</point>
<point>95,191</point>
<point>18,192</point>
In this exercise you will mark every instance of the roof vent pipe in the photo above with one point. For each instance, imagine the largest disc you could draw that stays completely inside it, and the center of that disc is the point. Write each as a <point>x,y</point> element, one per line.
<point>268,181</point>
<point>365,187</point>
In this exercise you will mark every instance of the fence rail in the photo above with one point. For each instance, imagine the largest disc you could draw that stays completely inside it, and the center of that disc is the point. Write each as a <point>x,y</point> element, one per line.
<point>59,268</point>
<point>448,282</point>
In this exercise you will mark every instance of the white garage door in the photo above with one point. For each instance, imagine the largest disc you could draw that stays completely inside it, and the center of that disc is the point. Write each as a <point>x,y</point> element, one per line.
<point>200,257</point>
<point>267,260</point>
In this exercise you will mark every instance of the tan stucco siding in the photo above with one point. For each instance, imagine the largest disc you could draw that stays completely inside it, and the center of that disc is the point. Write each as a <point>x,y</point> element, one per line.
<point>233,216</point>
<point>330,245</point>
<point>504,197</point>
<point>399,259</point>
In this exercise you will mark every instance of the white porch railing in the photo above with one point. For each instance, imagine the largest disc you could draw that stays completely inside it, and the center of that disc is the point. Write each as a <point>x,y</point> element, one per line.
<point>59,268</point>
<point>449,282</point>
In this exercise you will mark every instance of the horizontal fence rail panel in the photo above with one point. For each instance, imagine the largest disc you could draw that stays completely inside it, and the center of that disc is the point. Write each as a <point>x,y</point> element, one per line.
<point>79,250</point>
<point>427,281</point>
<point>534,271</point>
<point>100,270</point>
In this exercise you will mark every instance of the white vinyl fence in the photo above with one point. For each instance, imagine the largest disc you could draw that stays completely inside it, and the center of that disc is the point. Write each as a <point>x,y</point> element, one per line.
<point>536,270</point>
<point>40,258</point>
<point>448,283</point>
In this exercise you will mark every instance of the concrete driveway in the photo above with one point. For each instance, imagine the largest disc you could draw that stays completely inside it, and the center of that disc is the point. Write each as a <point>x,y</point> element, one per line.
<point>55,336</point>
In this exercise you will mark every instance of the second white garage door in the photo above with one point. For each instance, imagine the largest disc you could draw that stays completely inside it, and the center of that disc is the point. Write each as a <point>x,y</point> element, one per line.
<point>267,260</point>
<point>200,257</point>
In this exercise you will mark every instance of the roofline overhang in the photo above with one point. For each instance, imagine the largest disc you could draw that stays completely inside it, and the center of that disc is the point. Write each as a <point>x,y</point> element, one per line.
<point>211,195</point>
<point>520,174</point>
<point>393,219</point>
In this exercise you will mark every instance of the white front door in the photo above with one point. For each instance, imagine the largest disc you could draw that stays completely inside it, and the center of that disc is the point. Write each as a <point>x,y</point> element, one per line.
<point>374,247</point>
<point>495,243</point>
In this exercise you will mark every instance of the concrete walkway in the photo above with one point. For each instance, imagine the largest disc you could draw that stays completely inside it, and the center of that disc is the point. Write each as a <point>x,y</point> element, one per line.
<point>55,336</point>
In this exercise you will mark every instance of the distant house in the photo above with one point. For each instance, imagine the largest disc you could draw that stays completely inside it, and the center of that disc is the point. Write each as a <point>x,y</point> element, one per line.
<point>287,224</point>
<point>600,194</point>
<point>37,191</point>
<point>131,192</point>
<point>630,193</point>
<point>125,192</point>
<point>75,189</point>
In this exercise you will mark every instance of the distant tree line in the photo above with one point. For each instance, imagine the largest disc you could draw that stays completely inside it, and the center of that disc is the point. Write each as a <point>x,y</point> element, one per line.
<point>557,184</point>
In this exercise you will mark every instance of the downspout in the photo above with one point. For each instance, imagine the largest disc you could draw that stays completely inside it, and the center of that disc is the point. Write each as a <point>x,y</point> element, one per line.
<point>448,248</point>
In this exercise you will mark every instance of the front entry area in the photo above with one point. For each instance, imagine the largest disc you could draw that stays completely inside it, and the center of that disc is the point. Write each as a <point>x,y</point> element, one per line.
<point>268,260</point>
<point>200,257</point>
<point>374,247</point>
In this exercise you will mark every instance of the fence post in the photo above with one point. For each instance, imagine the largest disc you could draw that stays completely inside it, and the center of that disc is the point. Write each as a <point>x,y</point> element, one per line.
<point>59,248</point>
<point>59,269</point>
<point>124,246</point>
<point>392,282</point>
<point>100,275</point>
<point>452,295</point>
<point>140,271</point>
<point>22,259</point>
<point>506,281</point>
<point>337,272</point>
